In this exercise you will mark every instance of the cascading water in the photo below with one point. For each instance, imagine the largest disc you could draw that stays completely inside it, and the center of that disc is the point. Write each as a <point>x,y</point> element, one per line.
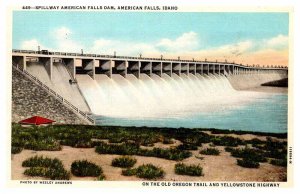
<point>182,101</point>
<point>160,97</point>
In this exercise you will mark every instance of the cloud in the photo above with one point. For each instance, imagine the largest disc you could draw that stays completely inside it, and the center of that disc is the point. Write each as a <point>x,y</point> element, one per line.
<point>236,49</point>
<point>62,33</point>
<point>31,44</point>
<point>279,42</point>
<point>62,38</point>
<point>107,46</point>
<point>187,41</point>
<point>273,50</point>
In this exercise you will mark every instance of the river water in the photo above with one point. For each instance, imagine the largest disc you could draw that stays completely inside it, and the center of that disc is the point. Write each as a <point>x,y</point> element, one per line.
<point>268,114</point>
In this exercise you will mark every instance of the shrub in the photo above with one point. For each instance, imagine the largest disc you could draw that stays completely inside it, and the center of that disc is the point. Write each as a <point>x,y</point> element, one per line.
<point>259,146</point>
<point>116,139</point>
<point>146,171</point>
<point>227,141</point>
<point>191,140</point>
<point>170,154</point>
<point>191,170</point>
<point>76,140</point>
<point>272,144</point>
<point>148,142</point>
<point>149,171</point>
<point>255,141</point>
<point>101,177</point>
<point>123,162</point>
<point>36,171</point>
<point>133,149</point>
<point>247,163</point>
<point>45,167</point>
<point>53,174</point>
<point>277,154</point>
<point>129,172</point>
<point>203,138</point>
<point>122,149</point>
<point>186,146</point>
<point>228,149</point>
<point>83,144</point>
<point>248,153</point>
<point>48,144</point>
<point>210,151</point>
<point>16,150</point>
<point>40,161</point>
<point>212,145</point>
<point>84,168</point>
<point>279,162</point>
<point>167,141</point>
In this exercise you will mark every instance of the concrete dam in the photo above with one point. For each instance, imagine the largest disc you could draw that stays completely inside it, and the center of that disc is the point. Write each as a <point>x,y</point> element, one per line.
<point>130,87</point>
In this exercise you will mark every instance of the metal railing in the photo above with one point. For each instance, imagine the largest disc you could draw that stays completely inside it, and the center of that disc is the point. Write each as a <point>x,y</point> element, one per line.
<point>56,95</point>
<point>138,58</point>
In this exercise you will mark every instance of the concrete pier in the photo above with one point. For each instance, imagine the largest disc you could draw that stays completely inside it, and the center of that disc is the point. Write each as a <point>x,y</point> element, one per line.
<point>104,67</point>
<point>146,68</point>
<point>134,68</point>
<point>204,69</point>
<point>48,63</point>
<point>176,68</point>
<point>157,68</point>
<point>70,65</point>
<point>167,68</point>
<point>185,68</point>
<point>120,67</point>
<point>192,68</point>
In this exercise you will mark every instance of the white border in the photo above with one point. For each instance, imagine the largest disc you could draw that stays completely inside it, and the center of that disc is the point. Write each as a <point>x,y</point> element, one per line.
<point>5,114</point>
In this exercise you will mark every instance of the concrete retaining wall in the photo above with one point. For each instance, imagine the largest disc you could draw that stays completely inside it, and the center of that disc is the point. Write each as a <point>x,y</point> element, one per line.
<point>28,99</point>
<point>59,83</point>
<point>246,81</point>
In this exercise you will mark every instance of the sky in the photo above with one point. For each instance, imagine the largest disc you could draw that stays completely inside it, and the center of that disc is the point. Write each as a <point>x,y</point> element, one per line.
<point>248,38</point>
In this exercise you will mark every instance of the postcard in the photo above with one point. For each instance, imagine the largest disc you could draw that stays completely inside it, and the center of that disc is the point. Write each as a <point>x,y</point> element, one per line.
<point>151,96</point>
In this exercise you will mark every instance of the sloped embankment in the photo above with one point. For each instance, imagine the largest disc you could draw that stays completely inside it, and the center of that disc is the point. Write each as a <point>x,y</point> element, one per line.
<point>29,99</point>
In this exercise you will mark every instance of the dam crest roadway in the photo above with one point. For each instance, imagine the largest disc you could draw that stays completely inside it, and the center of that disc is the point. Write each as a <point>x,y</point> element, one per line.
<point>92,64</point>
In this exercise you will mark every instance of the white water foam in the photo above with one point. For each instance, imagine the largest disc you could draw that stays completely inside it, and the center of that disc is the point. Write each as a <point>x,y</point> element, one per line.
<point>161,97</point>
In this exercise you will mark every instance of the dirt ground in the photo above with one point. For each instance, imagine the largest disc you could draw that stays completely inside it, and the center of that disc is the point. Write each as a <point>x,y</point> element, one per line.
<point>247,136</point>
<point>215,168</point>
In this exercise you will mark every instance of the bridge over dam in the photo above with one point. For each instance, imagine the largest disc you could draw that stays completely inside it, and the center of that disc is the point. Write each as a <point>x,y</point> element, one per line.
<point>93,82</point>
<point>92,64</point>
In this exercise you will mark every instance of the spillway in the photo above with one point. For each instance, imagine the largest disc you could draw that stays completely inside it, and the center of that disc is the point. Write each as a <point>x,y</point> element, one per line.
<point>59,83</point>
<point>159,97</point>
